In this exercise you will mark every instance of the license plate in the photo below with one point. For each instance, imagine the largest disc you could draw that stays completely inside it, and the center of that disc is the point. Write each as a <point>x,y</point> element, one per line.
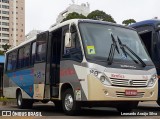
<point>130,92</point>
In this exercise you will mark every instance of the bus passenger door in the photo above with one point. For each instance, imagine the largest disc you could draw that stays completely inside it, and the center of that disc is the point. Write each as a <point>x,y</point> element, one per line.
<point>40,65</point>
<point>55,62</point>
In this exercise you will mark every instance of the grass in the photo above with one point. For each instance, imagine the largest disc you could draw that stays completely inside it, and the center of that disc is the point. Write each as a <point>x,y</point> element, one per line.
<point>3,99</point>
<point>6,99</point>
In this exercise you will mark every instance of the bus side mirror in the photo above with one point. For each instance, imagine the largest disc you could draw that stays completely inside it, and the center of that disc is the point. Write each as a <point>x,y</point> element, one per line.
<point>68,40</point>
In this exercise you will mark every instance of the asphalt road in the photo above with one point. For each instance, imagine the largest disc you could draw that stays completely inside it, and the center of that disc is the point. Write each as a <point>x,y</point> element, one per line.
<point>149,110</point>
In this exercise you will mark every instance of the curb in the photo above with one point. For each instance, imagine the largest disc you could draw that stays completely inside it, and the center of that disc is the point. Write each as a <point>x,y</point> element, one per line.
<point>8,102</point>
<point>2,103</point>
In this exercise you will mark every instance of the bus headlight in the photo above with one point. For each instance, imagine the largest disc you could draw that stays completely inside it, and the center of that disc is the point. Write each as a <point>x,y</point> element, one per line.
<point>152,81</point>
<point>105,80</point>
<point>102,77</point>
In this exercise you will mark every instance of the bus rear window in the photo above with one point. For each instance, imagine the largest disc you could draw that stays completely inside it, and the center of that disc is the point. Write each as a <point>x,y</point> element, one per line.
<point>9,62</point>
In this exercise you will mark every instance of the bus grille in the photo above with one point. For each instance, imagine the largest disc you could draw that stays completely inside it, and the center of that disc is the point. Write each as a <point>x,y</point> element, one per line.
<point>130,83</point>
<point>122,94</point>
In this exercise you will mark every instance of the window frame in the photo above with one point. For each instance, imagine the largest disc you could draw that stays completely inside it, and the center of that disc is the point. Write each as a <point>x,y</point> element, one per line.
<point>46,46</point>
<point>7,60</point>
<point>75,45</point>
<point>17,56</point>
<point>28,54</point>
<point>6,66</point>
<point>31,48</point>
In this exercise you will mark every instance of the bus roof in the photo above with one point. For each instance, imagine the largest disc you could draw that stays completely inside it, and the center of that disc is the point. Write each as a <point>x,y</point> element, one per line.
<point>154,22</point>
<point>23,43</point>
<point>76,21</point>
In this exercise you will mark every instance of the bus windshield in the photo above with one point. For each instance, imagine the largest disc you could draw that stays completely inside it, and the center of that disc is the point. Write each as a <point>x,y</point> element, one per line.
<point>98,39</point>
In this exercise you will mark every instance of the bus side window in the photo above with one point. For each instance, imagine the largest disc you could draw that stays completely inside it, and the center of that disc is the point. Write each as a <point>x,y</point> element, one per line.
<point>33,53</point>
<point>14,59</point>
<point>26,55</point>
<point>73,52</point>
<point>9,62</point>
<point>21,58</point>
<point>41,51</point>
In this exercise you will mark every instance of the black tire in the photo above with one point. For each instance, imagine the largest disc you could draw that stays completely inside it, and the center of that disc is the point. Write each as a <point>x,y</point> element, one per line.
<point>70,106</point>
<point>23,103</point>
<point>158,102</point>
<point>126,106</point>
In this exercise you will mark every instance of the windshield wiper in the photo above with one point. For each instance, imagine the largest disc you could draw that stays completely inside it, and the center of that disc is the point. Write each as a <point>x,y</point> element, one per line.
<point>131,51</point>
<point>112,50</point>
<point>124,51</point>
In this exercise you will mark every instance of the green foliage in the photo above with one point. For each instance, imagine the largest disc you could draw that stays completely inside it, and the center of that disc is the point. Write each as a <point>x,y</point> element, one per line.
<point>6,47</point>
<point>74,15</point>
<point>100,15</point>
<point>95,15</point>
<point>128,22</point>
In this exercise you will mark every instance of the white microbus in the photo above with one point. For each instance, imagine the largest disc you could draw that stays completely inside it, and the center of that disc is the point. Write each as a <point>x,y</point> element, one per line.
<point>81,63</point>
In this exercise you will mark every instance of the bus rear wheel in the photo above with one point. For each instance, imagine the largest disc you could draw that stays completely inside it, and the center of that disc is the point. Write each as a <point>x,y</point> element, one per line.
<point>70,106</point>
<point>23,103</point>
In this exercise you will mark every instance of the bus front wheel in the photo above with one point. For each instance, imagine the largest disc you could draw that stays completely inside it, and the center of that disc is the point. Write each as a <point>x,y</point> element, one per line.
<point>23,103</point>
<point>70,106</point>
<point>127,106</point>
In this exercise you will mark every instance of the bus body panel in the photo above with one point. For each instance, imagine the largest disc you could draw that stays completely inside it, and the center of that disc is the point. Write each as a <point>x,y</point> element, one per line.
<point>68,75</point>
<point>110,93</point>
<point>10,92</point>
<point>92,88</point>
<point>23,79</point>
<point>39,80</point>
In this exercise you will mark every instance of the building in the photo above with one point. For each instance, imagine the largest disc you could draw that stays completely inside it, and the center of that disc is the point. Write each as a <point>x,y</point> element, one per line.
<point>12,22</point>
<point>83,9</point>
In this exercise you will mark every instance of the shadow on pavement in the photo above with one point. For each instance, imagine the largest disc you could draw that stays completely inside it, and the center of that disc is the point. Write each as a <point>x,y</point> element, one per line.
<point>50,110</point>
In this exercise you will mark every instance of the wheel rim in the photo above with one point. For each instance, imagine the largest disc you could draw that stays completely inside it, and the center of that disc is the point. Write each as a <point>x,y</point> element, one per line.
<point>68,102</point>
<point>19,99</point>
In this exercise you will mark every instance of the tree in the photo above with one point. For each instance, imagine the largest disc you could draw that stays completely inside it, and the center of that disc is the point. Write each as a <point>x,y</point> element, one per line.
<point>128,22</point>
<point>6,47</point>
<point>74,15</point>
<point>100,15</point>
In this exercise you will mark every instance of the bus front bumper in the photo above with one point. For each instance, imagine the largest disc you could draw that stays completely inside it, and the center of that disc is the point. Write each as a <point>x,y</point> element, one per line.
<point>98,92</point>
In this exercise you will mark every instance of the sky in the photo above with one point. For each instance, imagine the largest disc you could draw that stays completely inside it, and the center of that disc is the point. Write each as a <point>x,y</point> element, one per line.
<point>41,14</point>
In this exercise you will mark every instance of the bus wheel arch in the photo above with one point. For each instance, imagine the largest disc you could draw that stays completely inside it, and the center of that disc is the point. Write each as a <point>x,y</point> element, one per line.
<point>19,98</point>
<point>64,87</point>
<point>69,104</point>
<point>22,103</point>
